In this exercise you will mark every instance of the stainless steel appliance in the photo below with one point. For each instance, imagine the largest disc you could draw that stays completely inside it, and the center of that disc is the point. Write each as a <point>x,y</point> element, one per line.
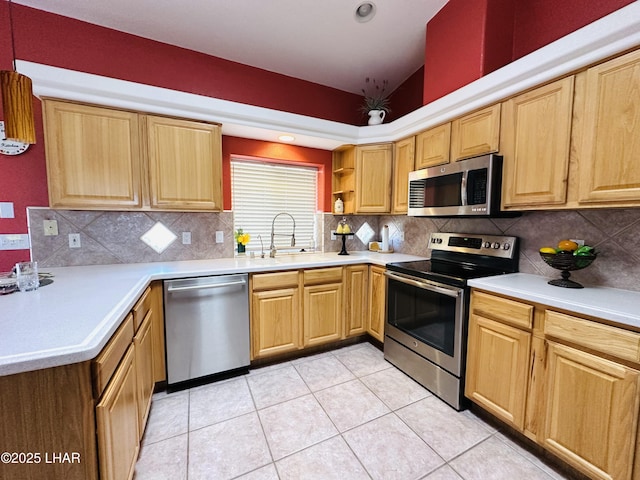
<point>469,187</point>
<point>428,303</point>
<point>207,326</point>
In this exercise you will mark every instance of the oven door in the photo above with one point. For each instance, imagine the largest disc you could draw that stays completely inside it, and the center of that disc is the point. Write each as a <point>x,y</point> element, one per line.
<point>428,318</point>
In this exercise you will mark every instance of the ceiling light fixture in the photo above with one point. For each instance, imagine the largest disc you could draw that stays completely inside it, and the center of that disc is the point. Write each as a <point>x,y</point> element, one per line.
<point>365,12</point>
<point>17,100</point>
<point>286,138</point>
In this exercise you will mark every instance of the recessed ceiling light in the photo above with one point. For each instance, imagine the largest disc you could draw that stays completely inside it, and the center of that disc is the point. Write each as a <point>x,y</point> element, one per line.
<point>365,11</point>
<point>286,138</point>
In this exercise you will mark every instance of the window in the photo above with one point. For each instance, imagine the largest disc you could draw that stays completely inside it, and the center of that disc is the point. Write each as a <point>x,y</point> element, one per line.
<point>260,190</point>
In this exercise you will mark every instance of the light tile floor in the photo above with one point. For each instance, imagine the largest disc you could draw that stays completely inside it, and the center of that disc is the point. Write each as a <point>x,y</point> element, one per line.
<point>346,415</point>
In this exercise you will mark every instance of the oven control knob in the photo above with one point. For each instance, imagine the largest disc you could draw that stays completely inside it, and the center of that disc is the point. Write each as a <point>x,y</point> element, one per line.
<point>496,245</point>
<point>487,244</point>
<point>506,246</point>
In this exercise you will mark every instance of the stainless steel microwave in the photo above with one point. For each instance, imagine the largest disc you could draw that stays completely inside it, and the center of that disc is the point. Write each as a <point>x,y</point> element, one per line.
<point>466,188</point>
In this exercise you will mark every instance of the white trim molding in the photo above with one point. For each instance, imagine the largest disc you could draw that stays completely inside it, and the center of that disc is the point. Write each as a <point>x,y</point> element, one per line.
<point>605,37</point>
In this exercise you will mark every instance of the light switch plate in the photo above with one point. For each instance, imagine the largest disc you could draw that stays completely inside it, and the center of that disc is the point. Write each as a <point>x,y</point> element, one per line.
<point>74,240</point>
<point>219,236</point>
<point>14,241</point>
<point>6,210</point>
<point>186,238</point>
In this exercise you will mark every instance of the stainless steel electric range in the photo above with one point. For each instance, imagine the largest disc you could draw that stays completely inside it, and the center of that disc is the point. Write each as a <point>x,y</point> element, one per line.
<point>428,304</point>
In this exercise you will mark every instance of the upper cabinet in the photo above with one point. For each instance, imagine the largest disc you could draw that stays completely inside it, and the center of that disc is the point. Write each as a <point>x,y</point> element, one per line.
<point>609,150</point>
<point>536,134</point>
<point>101,158</point>
<point>185,164</point>
<point>432,146</point>
<point>476,133</point>
<point>93,156</point>
<point>403,164</point>
<point>362,178</point>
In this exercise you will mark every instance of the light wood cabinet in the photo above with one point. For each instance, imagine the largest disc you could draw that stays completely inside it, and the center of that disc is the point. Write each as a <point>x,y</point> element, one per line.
<point>117,422</point>
<point>592,412</point>
<point>536,135</point>
<point>609,149</point>
<point>185,164</point>
<point>322,305</point>
<point>403,164</point>
<point>377,302</point>
<point>476,133</point>
<point>107,159</point>
<point>432,146</point>
<point>157,331</point>
<point>498,357</point>
<point>93,156</point>
<point>569,383</point>
<point>373,178</point>
<point>356,284</point>
<point>143,342</point>
<point>362,178</point>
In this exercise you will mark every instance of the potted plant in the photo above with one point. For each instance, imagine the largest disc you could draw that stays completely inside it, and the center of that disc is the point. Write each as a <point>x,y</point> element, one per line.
<point>376,100</point>
<point>241,239</point>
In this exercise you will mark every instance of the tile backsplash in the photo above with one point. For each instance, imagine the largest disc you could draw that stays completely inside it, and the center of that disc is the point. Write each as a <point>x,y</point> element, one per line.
<point>114,237</point>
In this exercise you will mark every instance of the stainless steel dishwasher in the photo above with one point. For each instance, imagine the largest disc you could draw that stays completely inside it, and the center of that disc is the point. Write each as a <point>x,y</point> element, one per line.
<point>207,326</point>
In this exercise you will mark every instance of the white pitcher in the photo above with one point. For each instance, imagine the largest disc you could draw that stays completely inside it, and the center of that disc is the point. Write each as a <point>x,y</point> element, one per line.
<point>376,117</point>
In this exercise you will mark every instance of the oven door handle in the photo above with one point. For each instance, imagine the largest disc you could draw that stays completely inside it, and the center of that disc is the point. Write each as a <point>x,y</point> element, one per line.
<point>426,285</point>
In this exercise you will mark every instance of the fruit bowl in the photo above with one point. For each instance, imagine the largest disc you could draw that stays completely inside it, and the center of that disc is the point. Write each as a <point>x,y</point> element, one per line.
<point>567,261</point>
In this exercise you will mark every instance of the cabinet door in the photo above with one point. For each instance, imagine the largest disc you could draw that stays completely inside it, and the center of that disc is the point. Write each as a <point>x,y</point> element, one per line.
<point>432,146</point>
<point>610,148</point>
<point>143,342</point>
<point>355,302</point>
<point>497,368</point>
<point>93,156</point>
<point>536,135</point>
<point>117,423</point>
<point>373,178</point>
<point>185,164</point>
<point>592,412</point>
<point>157,330</point>
<point>476,133</point>
<point>403,164</point>
<point>275,322</point>
<point>377,302</point>
<point>322,313</point>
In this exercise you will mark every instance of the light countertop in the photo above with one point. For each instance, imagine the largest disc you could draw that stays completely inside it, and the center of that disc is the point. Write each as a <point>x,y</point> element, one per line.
<point>72,319</point>
<point>614,305</point>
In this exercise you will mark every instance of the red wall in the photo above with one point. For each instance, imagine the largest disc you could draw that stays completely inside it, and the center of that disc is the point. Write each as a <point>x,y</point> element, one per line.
<point>468,39</point>
<point>407,97</point>
<point>540,22</point>
<point>244,147</point>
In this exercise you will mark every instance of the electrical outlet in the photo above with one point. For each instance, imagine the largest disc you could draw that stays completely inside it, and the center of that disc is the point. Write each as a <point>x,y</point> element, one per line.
<point>219,236</point>
<point>50,227</point>
<point>186,238</point>
<point>333,235</point>
<point>401,234</point>
<point>74,240</point>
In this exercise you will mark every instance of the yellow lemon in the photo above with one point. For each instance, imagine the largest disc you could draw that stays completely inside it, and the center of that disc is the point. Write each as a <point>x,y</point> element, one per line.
<point>547,250</point>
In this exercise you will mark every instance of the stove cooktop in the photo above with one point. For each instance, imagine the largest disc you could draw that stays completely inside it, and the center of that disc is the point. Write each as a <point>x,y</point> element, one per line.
<point>445,272</point>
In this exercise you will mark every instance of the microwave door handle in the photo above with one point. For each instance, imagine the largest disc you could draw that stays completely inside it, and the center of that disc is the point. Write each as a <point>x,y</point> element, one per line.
<point>463,189</point>
<point>450,292</point>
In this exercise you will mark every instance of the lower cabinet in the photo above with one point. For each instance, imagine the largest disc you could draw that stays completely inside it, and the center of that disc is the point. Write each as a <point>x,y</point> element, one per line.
<point>356,294</point>
<point>275,314</point>
<point>323,320</point>
<point>117,422</point>
<point>569,383</point>
<point>143,343</point>
<point>377,302</point>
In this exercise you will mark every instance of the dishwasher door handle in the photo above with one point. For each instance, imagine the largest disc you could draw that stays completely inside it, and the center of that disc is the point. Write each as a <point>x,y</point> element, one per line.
<point>205,286</point>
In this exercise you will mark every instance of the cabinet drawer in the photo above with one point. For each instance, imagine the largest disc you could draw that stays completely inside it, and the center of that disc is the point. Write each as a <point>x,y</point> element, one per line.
<point>323,275</point>
<point>270,281</point>
<point>107,361</point>
<point>597,336</point>
<point>141,309</point>
<point>503,309</point>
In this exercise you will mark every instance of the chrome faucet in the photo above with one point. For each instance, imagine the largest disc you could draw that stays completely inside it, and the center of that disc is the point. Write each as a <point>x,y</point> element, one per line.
<point>261,246</point>
<point>272,247</point>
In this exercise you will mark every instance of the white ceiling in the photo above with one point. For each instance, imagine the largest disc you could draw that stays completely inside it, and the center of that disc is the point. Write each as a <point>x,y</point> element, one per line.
<point>317,41</point>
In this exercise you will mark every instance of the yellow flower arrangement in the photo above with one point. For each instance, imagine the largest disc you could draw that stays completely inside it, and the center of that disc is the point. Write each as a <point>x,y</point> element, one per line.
<point>241,237</point>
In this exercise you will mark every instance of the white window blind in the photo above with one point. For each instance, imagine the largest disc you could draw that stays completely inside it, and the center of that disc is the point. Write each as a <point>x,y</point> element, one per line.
<point>261,190</point>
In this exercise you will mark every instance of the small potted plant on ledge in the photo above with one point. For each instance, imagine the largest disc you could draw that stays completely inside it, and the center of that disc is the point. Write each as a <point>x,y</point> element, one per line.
<point>376,100</point>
